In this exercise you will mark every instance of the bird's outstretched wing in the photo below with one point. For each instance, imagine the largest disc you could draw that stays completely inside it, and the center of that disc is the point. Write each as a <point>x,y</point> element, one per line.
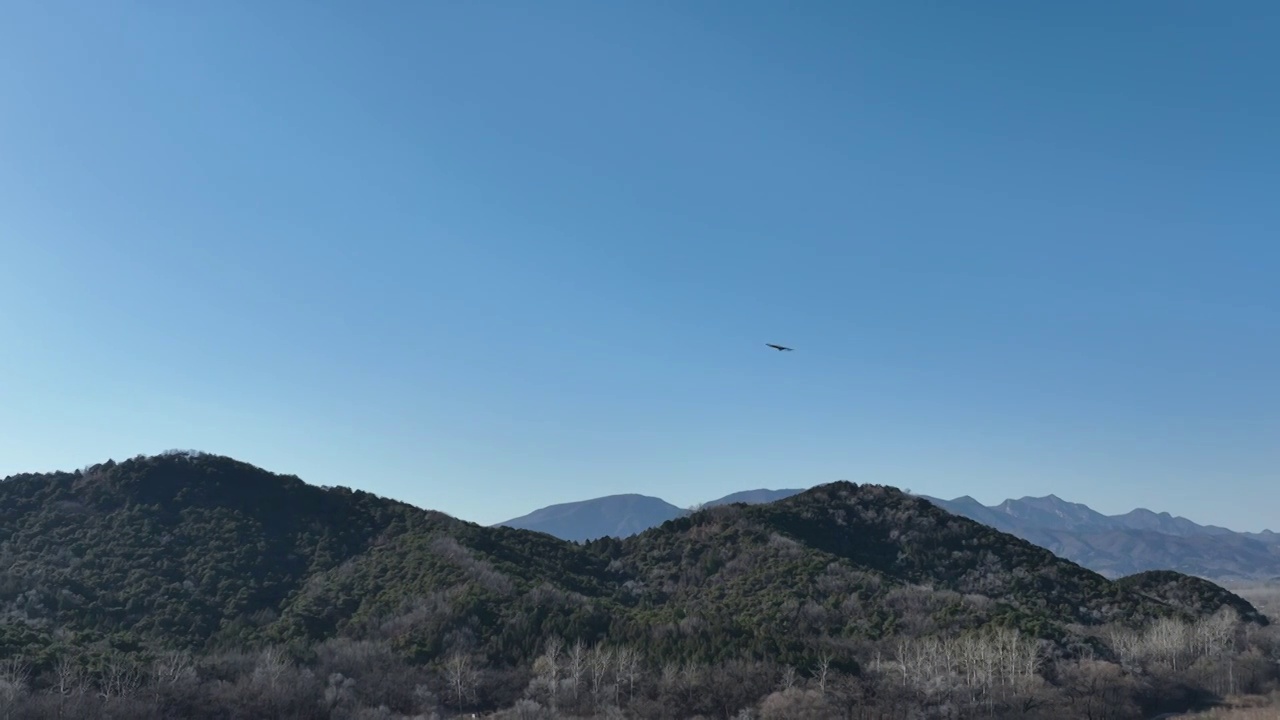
<point>778,347</point>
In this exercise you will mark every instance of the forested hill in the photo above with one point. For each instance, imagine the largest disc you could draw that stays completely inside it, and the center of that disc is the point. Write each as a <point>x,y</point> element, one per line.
<point>206,553</point>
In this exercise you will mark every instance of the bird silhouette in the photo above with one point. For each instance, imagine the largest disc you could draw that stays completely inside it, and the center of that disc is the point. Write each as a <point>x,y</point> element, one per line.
<point>778,347</point>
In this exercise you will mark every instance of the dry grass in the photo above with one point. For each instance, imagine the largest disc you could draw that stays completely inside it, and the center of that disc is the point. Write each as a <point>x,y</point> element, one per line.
<point>1264,596</point>
<point>1252,707</point>
<point>1240,714</point>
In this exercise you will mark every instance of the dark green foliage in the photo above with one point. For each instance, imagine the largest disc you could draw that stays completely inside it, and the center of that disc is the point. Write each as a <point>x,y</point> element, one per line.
<point>186,549</point>
<point>910,540</point>
<point>1193,595</point>
<point>204,552</point>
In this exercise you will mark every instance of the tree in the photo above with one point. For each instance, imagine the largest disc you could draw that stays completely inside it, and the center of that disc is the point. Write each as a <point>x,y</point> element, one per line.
<point>628,668</point>
<point>461,676</point>
<point>552,649</point>
<point>70,677</point>
<point>270,670</point>
<point>1098,690</point>
<point>120,677</point>
<point>599,661</point>
<point>577,665</point>
<point>821,669</point>
<point>172,669</point>
<point>788,680</point>
<point>14,675</point>
<point>546,671</point>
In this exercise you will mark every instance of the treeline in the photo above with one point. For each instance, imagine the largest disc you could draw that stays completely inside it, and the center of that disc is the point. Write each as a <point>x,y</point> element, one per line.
<point>1168,665</point>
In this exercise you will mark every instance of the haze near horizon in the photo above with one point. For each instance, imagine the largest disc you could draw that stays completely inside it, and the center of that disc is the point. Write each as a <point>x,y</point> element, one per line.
<point>487,257</point>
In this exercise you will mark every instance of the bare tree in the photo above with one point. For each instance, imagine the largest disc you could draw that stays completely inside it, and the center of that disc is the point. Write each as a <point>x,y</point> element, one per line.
<point>1097,690</point>
<point>1169,641</point>
<point>14,675</point>
<point>15,671</point>
<point>577,664</point>
<point>552,650</point>
<point>461,675</point>
<point>271,668</point>
<point>1017,655</point>
<point>175,667</point>
<point>120,677</point>
<point>1127,645</point>
<point>1215,635</point>
<point>692,675</point>
<point>70,677</point>
<point>788,680</point>
<point>1215,642</point>
<point>670,675</point>
<point>975,665</point>
<point>599,662</point>
<point>628,664</point>
<point>820,670</point>
<point>546,670</point>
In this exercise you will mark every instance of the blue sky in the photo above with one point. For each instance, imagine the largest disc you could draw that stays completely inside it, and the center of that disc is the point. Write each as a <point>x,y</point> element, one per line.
<point>489,256</point>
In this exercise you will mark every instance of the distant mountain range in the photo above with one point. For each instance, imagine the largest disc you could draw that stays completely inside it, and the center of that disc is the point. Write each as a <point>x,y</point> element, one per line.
<point>1136,541</point>
<point>1112,545</point>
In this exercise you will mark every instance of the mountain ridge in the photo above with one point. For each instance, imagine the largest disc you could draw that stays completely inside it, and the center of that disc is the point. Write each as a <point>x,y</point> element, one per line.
<point>122,564</point>
<point>1138,541</point>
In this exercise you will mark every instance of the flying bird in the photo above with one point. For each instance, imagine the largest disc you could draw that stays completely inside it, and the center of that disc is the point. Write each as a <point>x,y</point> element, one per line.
<point>779,348</point>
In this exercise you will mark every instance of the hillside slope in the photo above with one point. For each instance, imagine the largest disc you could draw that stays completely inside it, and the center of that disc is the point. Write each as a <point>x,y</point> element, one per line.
<point>203,551</point>
<point>184,547</point>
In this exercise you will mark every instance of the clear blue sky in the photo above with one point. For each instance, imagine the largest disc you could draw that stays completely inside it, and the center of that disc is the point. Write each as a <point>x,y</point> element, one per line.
<point>489,256</point>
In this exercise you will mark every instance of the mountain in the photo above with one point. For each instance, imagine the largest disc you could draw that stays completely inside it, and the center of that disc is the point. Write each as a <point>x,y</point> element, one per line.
<point>621,515</point>
<point>972,509</point>
<point>121,562</point>
<point>1050,513</point>
<point>1134,542</point>
<point>1113,545</point>
<point>752,497</point>
<point>1143,519</point>
<point>614,515</point>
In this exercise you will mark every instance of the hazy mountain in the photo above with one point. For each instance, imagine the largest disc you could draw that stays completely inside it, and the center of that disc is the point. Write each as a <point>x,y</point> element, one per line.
<point>621,516</point>
<point>974,510</point>
<point>1143,519</point>
<point>753,497</point>
<point>1133,542</point>
<point>612,516</point>
<point>1050,513</point>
